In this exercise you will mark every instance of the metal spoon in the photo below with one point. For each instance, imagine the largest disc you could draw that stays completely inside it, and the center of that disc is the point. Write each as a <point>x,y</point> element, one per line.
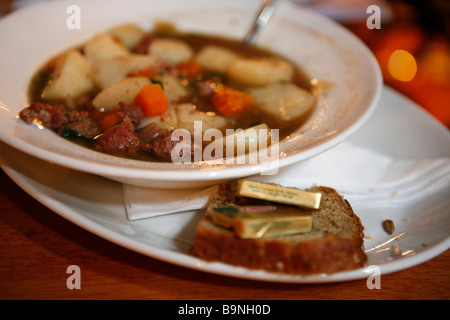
<point>261,20</point>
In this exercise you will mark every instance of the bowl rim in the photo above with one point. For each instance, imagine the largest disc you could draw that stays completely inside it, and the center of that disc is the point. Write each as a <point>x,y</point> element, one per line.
<point>158,173</point>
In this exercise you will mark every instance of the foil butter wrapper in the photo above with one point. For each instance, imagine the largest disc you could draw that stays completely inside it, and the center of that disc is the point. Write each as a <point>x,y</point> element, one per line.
<point>279,194</point>
<point>258,221</point>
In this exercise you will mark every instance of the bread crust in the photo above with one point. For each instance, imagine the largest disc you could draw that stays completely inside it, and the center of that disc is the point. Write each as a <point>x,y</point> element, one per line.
<point>334,244</point>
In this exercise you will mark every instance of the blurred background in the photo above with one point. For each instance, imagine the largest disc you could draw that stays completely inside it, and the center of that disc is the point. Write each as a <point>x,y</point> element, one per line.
<point>412,43</point>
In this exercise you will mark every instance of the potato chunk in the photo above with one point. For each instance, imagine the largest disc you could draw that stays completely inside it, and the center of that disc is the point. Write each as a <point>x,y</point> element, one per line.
<point>71,77</point>
<point>187,114</point>
<point>168,120</point>
<point>108,71</point>
<point>247,140</point>
<point>129,34</point>
<point>260,71</point>
<point>285,101</point>
<point>124,90</point>
<point>183,116</point>
<point>216,59</point>
<point>170,50</point>
<point>103,46</point>
<point>173,88</point>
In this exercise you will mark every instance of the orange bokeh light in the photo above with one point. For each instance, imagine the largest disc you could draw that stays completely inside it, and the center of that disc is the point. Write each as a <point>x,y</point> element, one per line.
<point>402,65</point>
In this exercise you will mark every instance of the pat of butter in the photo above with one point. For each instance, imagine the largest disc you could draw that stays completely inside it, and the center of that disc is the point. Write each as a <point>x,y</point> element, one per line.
<point>258,221</point>
<point>275,193</point>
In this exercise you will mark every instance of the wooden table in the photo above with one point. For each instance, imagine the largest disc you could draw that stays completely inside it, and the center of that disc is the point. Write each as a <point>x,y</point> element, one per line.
<point>37,246</point>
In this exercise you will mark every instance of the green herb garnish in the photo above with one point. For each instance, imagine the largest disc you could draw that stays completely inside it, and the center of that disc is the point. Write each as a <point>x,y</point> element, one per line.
<point>152,80</point>
<point>69,133</point>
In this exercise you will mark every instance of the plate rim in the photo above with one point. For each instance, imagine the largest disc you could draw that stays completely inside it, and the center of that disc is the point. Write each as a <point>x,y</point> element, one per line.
<point>173,257</point>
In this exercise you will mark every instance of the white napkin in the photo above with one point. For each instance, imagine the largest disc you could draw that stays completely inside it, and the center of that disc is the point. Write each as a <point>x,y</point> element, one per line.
<point>143,202</point>
<point>361,175</point>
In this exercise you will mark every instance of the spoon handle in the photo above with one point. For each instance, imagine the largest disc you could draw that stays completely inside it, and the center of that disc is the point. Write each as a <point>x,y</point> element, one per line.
<point>261,20</point>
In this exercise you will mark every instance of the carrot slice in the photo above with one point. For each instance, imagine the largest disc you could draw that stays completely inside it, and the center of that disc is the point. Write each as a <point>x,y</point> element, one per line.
<point>229,102</point>
<point>152,100</point>
<point>109,120</point>
<point>149,73</point>
<point>189,68</point>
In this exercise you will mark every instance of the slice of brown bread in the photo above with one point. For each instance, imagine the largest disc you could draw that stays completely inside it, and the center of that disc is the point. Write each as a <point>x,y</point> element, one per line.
<point>335,242</point>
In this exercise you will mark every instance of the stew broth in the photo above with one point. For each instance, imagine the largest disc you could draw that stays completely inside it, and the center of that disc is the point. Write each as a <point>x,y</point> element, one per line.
<point>194,86</point>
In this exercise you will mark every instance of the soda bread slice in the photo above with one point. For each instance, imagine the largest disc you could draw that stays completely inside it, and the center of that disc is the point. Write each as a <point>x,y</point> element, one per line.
<point>334,244</point>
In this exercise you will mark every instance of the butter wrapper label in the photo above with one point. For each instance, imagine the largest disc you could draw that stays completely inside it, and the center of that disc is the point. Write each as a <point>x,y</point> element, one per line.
<point>275,193</point>
<point>262,220</point>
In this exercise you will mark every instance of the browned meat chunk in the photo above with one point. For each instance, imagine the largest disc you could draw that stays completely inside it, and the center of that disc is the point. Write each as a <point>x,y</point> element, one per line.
<point>163,145</point>
<point>58,119</point>
<point>149,133</point>
<point>119,139</point>
<point>142,47</point>
<point>81,123</point>
<point>135,113</point>
<point>49,116</point>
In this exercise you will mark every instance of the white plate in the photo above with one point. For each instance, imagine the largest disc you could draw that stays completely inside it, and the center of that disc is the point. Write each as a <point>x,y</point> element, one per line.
<point>96,204</point>
<point>322,48</point>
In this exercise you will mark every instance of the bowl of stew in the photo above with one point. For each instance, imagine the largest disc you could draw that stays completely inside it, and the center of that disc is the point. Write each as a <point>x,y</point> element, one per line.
<point>167,95</point>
